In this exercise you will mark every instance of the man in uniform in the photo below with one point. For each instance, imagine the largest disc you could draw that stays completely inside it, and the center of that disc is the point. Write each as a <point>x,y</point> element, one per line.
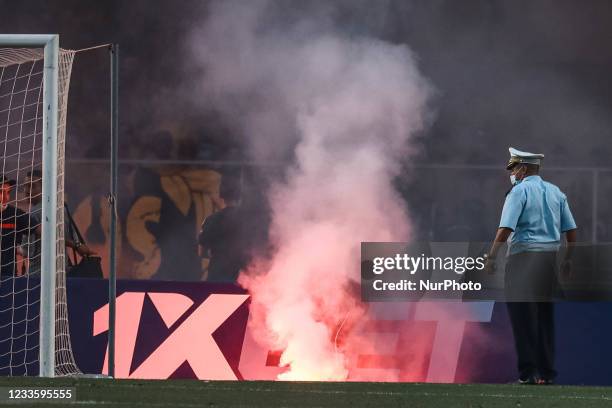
<point>535,213</point>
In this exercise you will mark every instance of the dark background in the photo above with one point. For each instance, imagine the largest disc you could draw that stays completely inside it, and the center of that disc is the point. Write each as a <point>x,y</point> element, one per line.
<point>530,74</point>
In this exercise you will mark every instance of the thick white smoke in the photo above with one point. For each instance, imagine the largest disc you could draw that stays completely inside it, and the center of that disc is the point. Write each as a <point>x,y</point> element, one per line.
<point>347,108</point>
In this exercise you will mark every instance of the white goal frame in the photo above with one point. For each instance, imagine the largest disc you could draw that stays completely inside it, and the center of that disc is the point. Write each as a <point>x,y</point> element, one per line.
<point>50,44</point>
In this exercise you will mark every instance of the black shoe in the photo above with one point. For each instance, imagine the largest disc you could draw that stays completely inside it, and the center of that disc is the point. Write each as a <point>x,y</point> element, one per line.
<point>546,381</point>
<point>530,380</point>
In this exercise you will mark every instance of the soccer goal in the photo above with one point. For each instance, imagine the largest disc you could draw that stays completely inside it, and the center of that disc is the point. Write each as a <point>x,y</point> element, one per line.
<point>34,81</point>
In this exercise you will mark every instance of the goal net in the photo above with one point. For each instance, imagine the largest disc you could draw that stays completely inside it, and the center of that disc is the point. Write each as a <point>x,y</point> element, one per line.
<point>22,173</point>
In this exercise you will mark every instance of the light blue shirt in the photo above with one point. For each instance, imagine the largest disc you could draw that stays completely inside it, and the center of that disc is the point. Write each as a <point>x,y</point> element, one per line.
<point>538,213</point>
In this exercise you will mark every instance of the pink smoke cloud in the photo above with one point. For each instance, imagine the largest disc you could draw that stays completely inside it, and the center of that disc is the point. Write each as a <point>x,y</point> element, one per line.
<point>347,109</point>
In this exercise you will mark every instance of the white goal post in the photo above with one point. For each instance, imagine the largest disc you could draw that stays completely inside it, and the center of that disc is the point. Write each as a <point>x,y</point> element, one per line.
<point>52,274</point>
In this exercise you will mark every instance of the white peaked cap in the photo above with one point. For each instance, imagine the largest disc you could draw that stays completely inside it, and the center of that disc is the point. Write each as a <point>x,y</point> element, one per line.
<point>517,156</point>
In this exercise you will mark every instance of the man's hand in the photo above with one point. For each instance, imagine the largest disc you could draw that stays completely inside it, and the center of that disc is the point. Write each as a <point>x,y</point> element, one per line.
<point>501,236</point>
<point>489,267</point>
<point>567,268</point>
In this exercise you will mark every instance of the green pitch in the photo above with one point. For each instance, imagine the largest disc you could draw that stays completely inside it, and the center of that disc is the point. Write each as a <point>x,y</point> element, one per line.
<point>186,393</point>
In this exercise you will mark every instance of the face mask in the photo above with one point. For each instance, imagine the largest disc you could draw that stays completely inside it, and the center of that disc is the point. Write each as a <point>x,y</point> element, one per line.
<point>513,180</point>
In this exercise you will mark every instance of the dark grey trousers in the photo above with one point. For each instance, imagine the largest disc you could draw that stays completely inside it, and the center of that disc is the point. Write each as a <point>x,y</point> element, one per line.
<point>530,280</point>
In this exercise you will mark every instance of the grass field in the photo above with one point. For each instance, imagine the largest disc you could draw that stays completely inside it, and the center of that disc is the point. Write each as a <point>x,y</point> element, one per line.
<point>187,393</point>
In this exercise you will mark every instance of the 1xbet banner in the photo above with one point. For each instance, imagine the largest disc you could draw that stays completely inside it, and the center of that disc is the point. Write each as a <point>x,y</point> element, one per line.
<point>199,330</point>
